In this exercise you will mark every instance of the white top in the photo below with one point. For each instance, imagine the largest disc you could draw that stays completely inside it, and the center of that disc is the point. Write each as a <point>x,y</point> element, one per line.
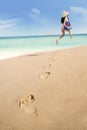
<point>66,20</point>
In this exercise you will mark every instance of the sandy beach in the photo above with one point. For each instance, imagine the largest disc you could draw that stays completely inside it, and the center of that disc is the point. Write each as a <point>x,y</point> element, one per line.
<point>44,91</point>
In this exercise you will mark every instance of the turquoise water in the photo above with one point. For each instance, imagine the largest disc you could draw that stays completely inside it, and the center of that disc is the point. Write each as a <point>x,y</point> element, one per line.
<point>16,46</point>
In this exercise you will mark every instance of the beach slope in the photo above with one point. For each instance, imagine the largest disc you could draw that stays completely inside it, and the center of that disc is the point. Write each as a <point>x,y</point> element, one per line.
<point>44,91</point>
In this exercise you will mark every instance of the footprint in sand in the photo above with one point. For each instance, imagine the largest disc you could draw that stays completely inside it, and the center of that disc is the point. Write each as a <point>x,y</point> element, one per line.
<point>44,75</point>
<point>27,103</point>
<point>47,66</point>
<point>52,58</point>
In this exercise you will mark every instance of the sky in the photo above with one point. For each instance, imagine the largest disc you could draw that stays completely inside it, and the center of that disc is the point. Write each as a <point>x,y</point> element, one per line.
<point>40,17</point>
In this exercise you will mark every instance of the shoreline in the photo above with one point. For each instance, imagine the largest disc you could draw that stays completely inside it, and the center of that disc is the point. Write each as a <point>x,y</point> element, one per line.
<point>42,51</point>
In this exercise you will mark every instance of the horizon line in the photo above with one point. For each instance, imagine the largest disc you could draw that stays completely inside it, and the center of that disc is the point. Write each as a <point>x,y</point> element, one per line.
<point>42,35</point>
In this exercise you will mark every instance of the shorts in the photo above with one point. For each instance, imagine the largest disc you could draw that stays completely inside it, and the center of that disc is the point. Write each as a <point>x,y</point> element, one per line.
<point>67,26</point>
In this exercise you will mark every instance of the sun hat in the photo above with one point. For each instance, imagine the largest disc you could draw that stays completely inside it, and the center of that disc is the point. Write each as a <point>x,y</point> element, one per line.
<point>65,13</point>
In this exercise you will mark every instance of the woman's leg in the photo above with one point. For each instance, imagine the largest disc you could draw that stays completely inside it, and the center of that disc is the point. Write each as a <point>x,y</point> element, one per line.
<point>69,33</point>
<point>63,34</point>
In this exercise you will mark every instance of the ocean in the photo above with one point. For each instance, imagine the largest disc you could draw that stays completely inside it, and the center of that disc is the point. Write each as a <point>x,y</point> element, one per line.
<point>17,46</point>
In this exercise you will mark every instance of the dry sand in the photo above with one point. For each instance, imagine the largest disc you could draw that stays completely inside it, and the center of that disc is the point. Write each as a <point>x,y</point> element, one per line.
<point>44,91</point>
